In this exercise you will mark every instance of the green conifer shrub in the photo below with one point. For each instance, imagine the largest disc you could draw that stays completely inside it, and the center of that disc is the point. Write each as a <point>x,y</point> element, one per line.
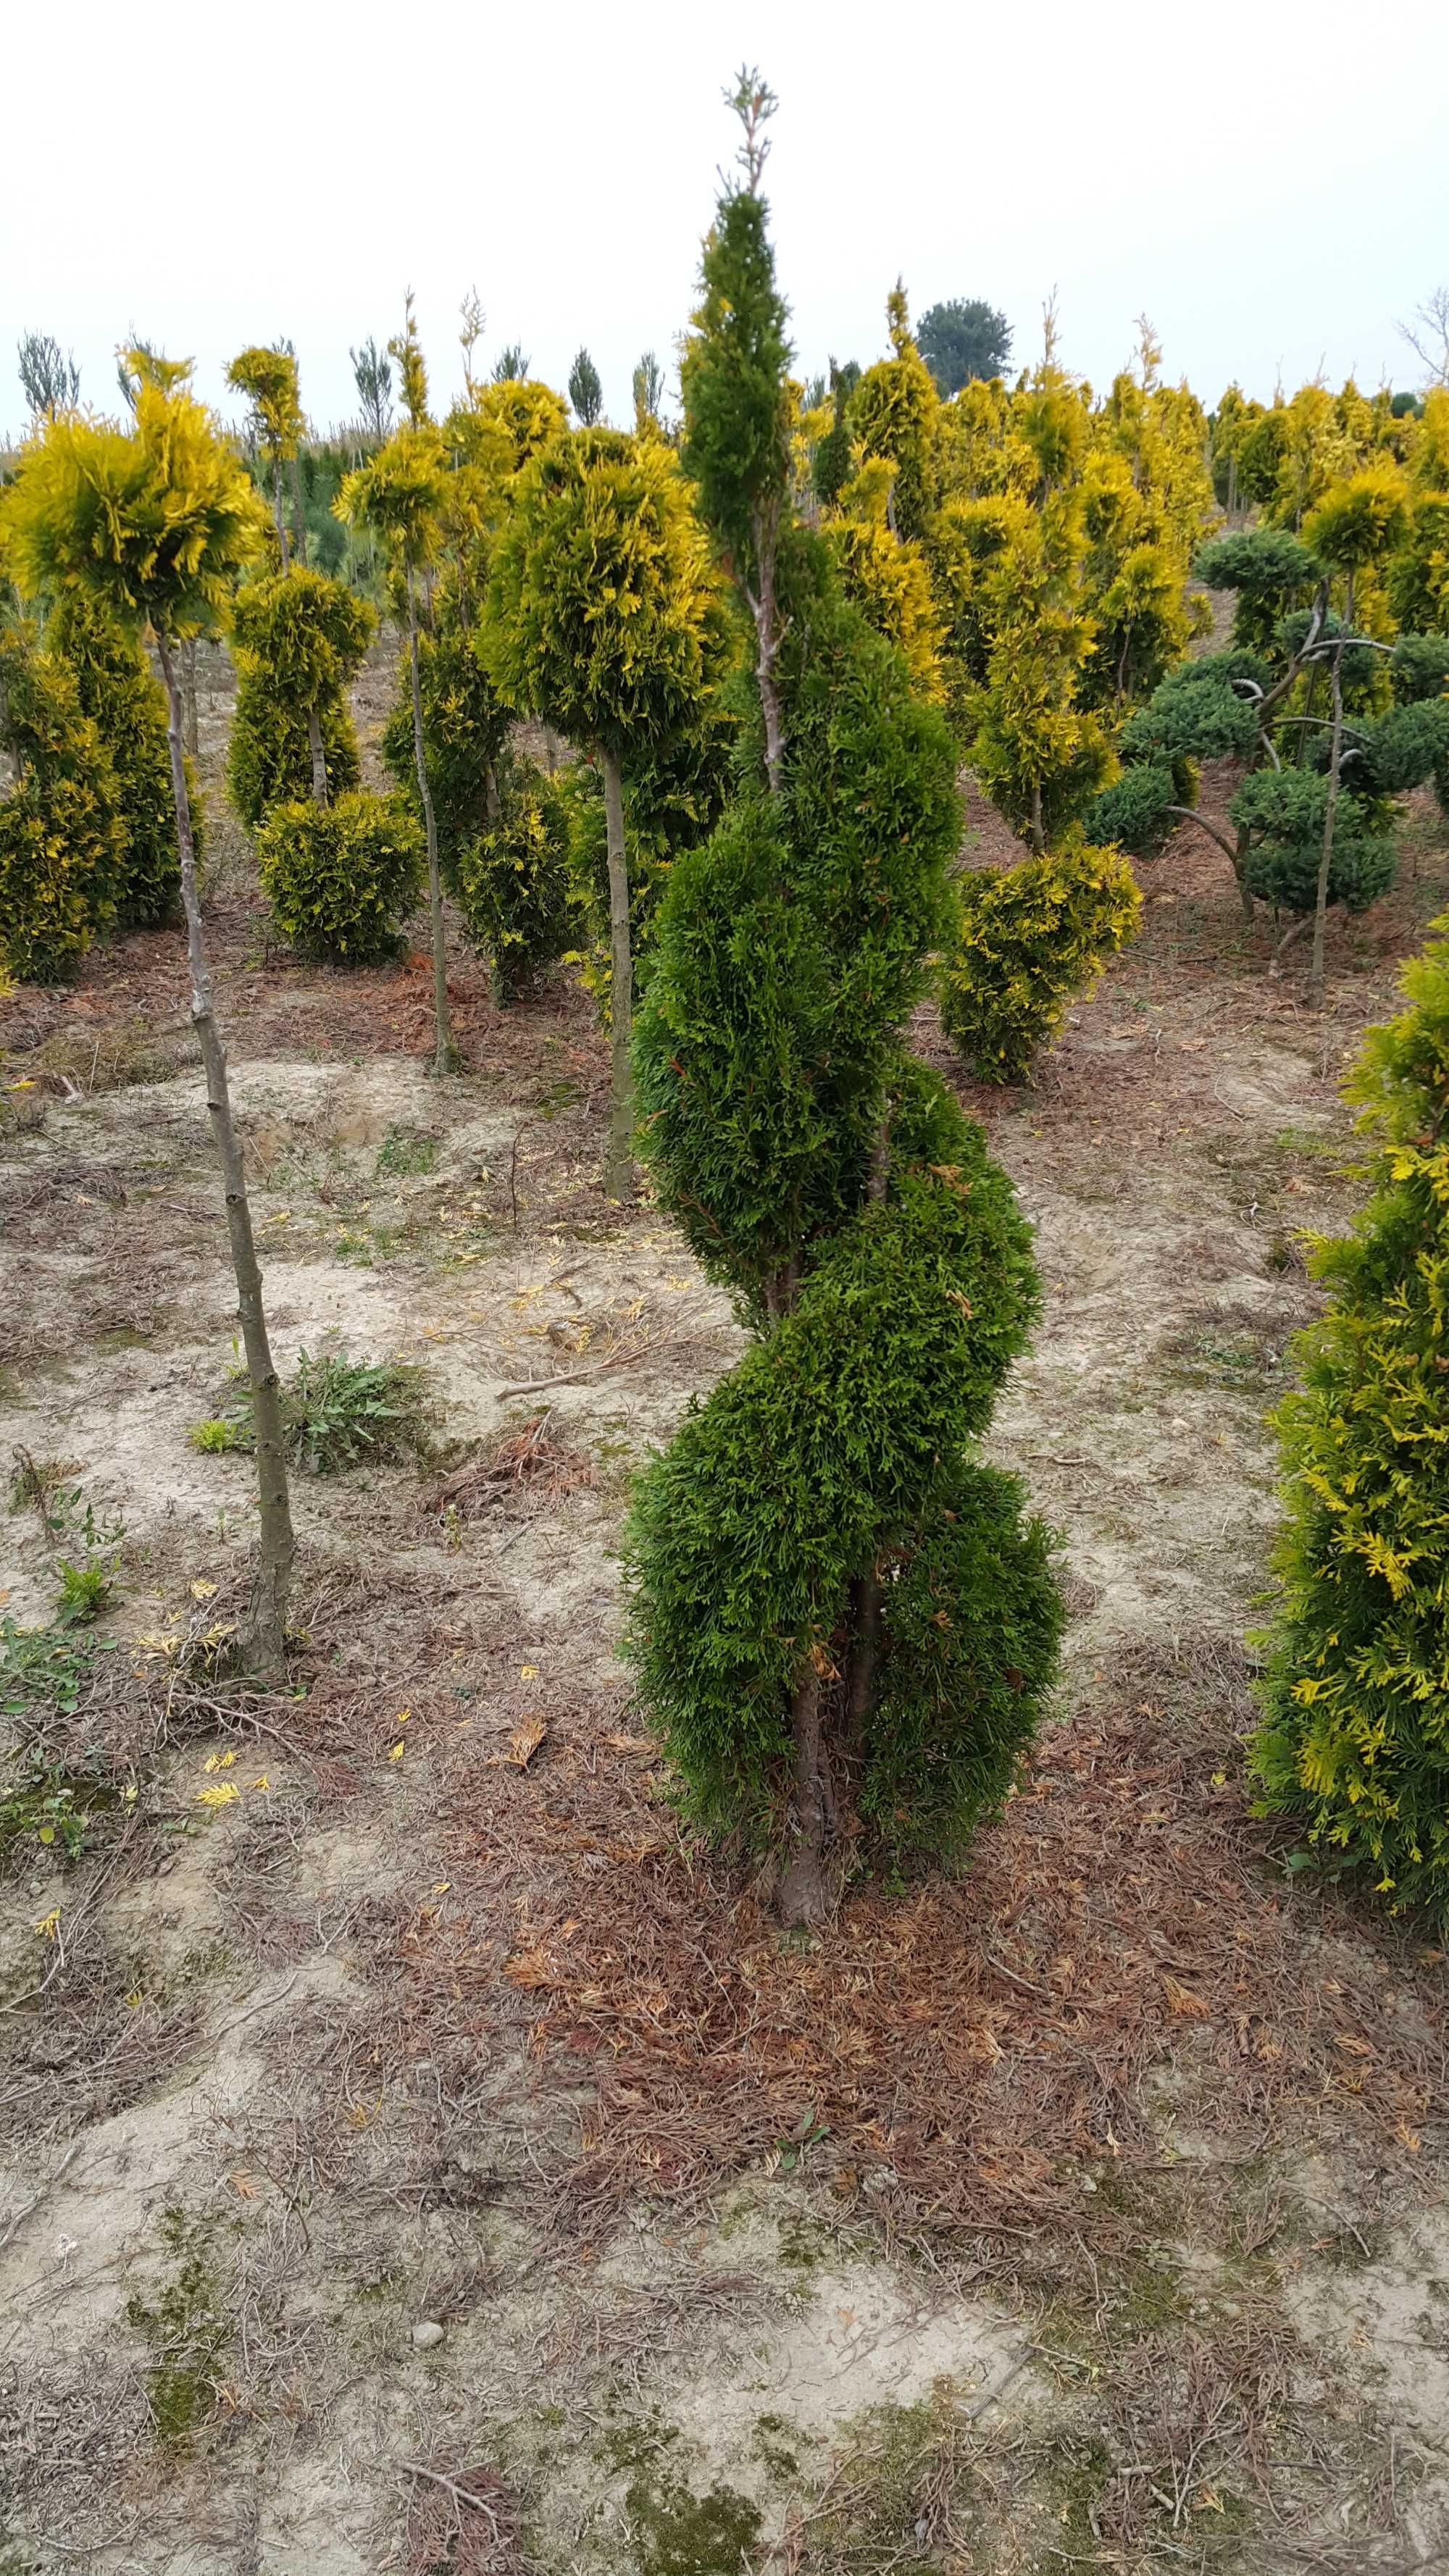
<point>465,729</point>
<point>1355,1733</point>
<point>512,880</point>
<point>1032,939</point>
<point>1419,668</point>
<point>299,638</point>
<point>836,1187</point>
<point>62,837</point>
<point>128,709</point>
<point>341,878</point>
<point>1281,812</point>
<point>1271,572</point>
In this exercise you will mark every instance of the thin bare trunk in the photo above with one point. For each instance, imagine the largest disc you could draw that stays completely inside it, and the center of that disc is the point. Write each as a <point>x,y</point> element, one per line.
<point>767,645</point>
<point>190,711</point>
<point>492,801</point>
<point>802,1889</point>
<point>550,748</point>
<point>1330,813</point>
<point>263,1639</point>
<point>299,523</point>
<point>619,1169</point>
<point>277,512</point>
<point>866,1605</point>
<point>1038,835</point>
<point>444,1057</point>
<point>319,756</point>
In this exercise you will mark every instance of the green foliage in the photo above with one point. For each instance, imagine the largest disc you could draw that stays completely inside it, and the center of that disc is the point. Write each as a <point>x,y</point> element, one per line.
<point>1032,938</point>
<point>830,465</point>
<point>62,838</point>
<point>300,638</point>
<point>745,1534</point>
<point>733,375</point>
<point>513,880</point>
<point>268,378</point>
<point>339,1413</point>
<point>1271,571</point>
<point>1283,811</point>
<point>963,340</point>
<point>815,1166</point>
<point>406,350</point>
<point>269,752</point>
<point>972,1624</point>
<point>1404,748</point>
<point>1360,519</point>
<point>155,526</point>
<point>1418,576</point>
<point>216,1436</point>
<point>49,376</point>
<point>1197,713</point>
<point>789,949</point>
<point>1355,1736</point>
<point>1135,813</point>
<point>674,791</point>
<point>598,616</point>
<point>128,709</point>
<point>586,392</point>
<point>341,878</point>
<point>1419,668</point>
<point>311,632</point>
<point>399,494</point>
<point>893,414</point>
<point>465,729</point>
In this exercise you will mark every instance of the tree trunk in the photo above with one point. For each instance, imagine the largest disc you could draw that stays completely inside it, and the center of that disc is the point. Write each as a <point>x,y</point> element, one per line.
<point>444,1058</point>
<point>319,756</point>
<point>277,512</point>
<point>492,801</point>
<point>299,522</point>
<point>1038,836</point>
<point>550,748</point>
<point>866,1605</point>
<point>619,1169</point>
<point>1330,811</point>
<point>767,645</point>
<point>188,695</point>
<point>263,1639</point>
<point>802,1889</point>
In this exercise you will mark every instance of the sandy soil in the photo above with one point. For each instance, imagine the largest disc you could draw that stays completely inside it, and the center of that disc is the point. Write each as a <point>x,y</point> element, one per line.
<point>424,2159</point>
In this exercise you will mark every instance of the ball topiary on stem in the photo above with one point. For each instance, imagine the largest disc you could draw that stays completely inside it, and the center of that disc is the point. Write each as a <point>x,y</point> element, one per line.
<point>300,639</point>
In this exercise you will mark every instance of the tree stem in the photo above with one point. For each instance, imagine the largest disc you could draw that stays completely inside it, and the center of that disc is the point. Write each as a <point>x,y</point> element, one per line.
<point>1330,812</point>
<point>619,1169</point>
<point>444,1057</point>
<point>319,757</point>
<point>263,1639</point>
<point>802,1889</point>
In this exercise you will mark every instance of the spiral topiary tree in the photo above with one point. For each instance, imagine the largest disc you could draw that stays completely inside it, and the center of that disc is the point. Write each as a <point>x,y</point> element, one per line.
<point>1355,1696</point>
<point>598,619</point>
<point>155,527</point>
<point>835,1187</point>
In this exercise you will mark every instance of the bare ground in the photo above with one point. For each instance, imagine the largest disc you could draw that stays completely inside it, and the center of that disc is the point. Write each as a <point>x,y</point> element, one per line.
<point>1085,2211</point>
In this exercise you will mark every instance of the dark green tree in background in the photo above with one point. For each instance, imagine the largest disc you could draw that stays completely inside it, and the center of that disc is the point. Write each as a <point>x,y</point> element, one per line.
<point>834,1604</point>
<point>49,376</point>
<point>586,393</point>
<point>962,341</point>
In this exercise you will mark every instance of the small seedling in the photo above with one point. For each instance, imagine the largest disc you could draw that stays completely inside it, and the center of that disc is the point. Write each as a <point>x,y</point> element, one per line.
<point>217,1435</point>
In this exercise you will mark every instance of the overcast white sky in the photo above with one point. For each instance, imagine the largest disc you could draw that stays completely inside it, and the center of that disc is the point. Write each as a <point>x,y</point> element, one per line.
<point>1269,183</point>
